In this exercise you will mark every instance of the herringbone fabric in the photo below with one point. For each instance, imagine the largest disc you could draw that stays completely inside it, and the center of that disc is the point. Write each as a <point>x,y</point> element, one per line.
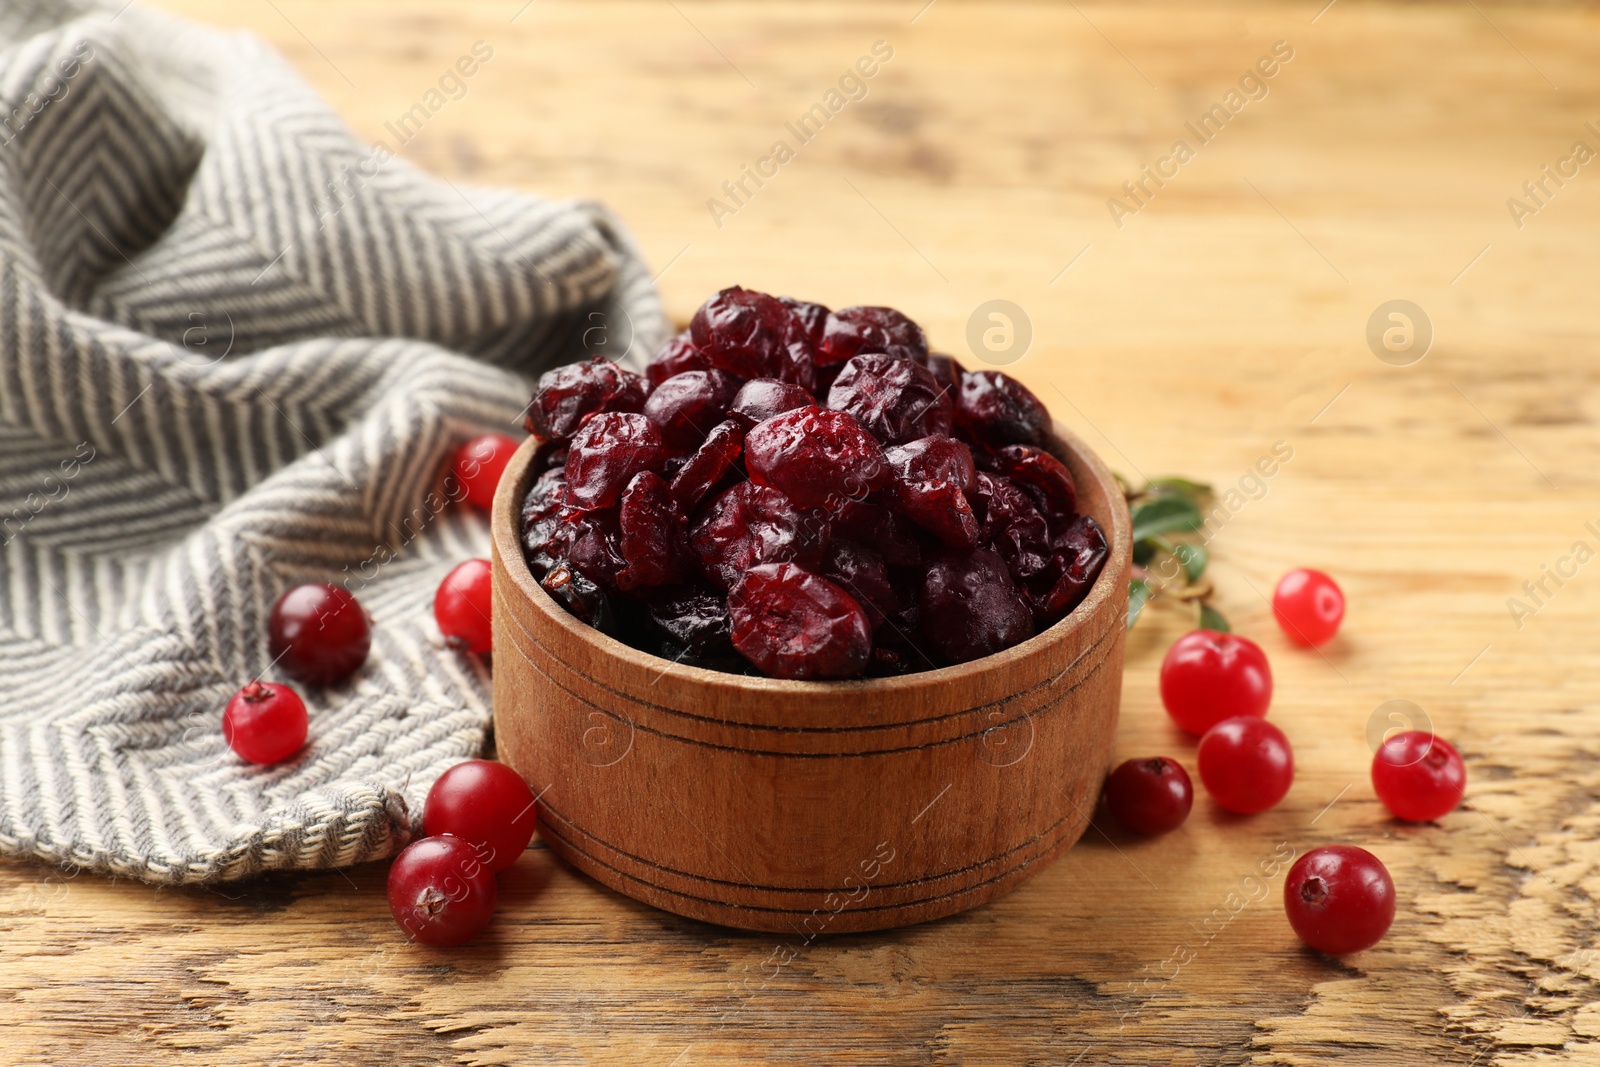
<point>235,355</point>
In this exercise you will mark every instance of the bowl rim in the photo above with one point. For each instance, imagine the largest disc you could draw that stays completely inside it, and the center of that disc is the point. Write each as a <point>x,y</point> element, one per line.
<point>505,530</point>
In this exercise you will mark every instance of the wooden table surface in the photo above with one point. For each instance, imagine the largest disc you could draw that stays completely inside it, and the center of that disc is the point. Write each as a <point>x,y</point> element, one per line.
<point>1226,314</point>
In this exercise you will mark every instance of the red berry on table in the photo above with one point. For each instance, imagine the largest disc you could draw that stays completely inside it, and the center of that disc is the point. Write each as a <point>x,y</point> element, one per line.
<point>440,892</point>
<point>318,633</point>
<point>1246,764</point>
<point>479,464</point>
<point>1150,796</point>
<point>1419,777</point>
<point>265,723</point>
<point>1309,606</point>
<point>487,805</point>
<point>1209,676</point>
<point>464,604</point>
<point>1339,899</point>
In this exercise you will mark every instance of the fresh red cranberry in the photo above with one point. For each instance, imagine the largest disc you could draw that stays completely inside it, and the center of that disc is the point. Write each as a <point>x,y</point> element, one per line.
<point>814,317</point>
<point>815,457</point>
<point>568,395</point>
<point>440,892</point>
<point>862,573</point>
<point>687,406</point>
<point>1150,796</point>
<point>1077,555</point>
<point>754,335</point>
<point>654,535</point>
<point>265,723</point>
<point>1011,525</point>
<point>1043,477</point>
<point>1339,899</point>
<point>895,398</point>
<point>485,804</point>
<point>606,454</point>
<point>1246,764</point>
<point>996,410</point>
<point>752,524</point>
<point>854,330</point>
<point>675,357</point>
<point>479,464</point>
<point>792,623</point>
<point>1209,676</point>
<point>931,476</point>
<point>318,633</point>
<point>464,604</point>
<point>1309,606</point>
<point>709,465</point>
<point>969,608</point>
<point>1419,777</point>
<point>761,399</point>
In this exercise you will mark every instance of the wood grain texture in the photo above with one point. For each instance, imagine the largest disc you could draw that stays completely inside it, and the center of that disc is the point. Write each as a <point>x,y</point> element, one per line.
<point>1227,315</point>
<point>809,808</point>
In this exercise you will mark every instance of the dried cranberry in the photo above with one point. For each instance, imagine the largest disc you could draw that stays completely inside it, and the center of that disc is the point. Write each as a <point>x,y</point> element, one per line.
<point>1080,553</point>
<point>815,457</point>
<point>970,608</point>
<point>886,531</point>
<point>946,371</point>
<point>895,398</point>
<point>792,623</point>
<point>545,509</point>
<point>862,573</point>
<point>591,541</point>
<point>568,395</point>
<point>762,398</point>
<point>675,357</point>
<point>851,331</point>
<point>606,454</point>
<point>995,410</point>
<point>654,535</point>
<point>751,524</point>
<point>1011,525</point>
<point>932,476</point>
<point>753,335</point>
<point>812,316</point>
<point>687,405</point>
<point>697,622</point>
<point>580,596</point>
<point>710,463</point>
<point>1043,477</point>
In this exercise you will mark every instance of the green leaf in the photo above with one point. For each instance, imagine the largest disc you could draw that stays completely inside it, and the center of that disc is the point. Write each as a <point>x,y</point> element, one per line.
<point>1144,552</point>
<point>1138,597</point>
<point>1211,619</point>
<point>1165,514</point>
<point>1193,557</point>
<point>1182,486</point>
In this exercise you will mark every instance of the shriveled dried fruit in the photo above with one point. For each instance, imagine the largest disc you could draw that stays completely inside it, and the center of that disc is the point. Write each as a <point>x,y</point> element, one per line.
<point>1011,525</point>
<point>816,457</point>
<point>568,395</point>
<point>931,477</point>
<point>946,371</point>
<point>1043,477</point>
<point>544,509</point>
<point>862,573</point>
<point>654,535</point>
<point>752,524</point>
<point>753,335</point>
<point>710,463</point>
<point>696,622</point>
<point>1080,553</point>
<point>812,316</point>
<point>854,330</point>
<point>590,541</point>
<point>895,398</point>
<point>970,608</point>
<point>762,398</point>
<point>686,407</point>
<point>675,357</point>
<point>579,595</point>
<point>606,454</point>
<point>996,410</point>
<point>792,623</point>
<point>886,531</point>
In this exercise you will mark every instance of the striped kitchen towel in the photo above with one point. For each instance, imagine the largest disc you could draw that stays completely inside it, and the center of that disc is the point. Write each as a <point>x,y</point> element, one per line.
<point>237,347</point>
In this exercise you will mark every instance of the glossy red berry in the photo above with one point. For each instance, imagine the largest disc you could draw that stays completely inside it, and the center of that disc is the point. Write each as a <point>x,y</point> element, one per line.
<point>265,723</point>
<point>931,477</point>
<point>1209,676</point>
<point>1309,606</point>
<point>1339,899</point>
<point>479,464</point>
<point>1419,777</point>
<point>792,623</point>
<point>318,633</point>
<point>440,892</point>
<point>1246,764</point>
<point>463,606</point>
<point>1150,796</point>
<point>486,804</point>
<point>605,455</point>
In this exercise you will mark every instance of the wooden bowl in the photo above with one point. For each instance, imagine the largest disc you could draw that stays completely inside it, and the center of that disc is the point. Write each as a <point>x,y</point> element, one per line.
<point>808,807</point>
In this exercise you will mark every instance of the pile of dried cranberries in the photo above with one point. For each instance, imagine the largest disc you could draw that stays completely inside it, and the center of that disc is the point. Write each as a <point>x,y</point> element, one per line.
<point>808,492</point>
